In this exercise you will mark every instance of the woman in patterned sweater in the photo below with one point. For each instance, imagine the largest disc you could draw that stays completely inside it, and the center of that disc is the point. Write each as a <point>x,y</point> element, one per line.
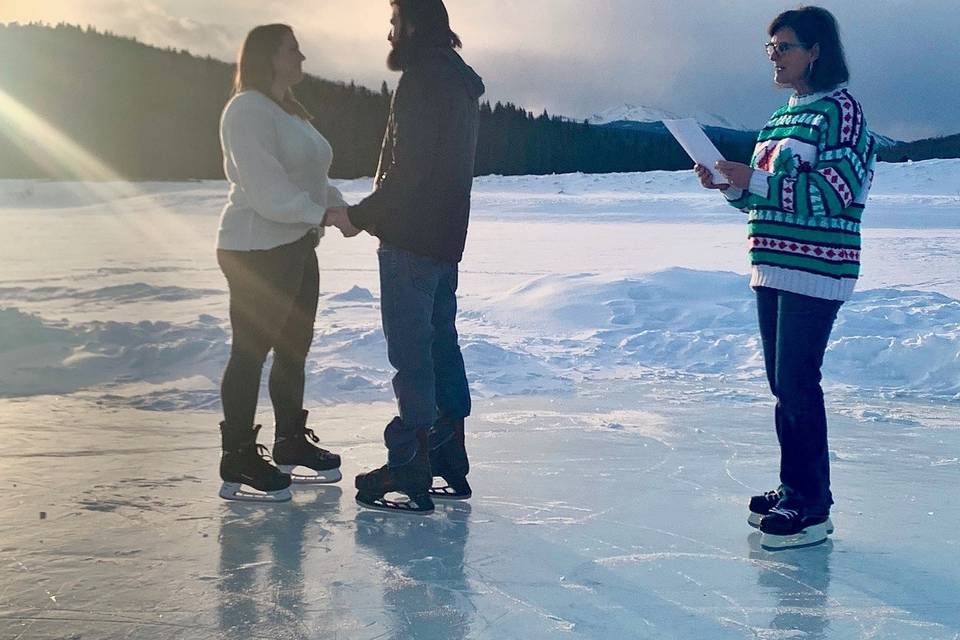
<point>804,193</point>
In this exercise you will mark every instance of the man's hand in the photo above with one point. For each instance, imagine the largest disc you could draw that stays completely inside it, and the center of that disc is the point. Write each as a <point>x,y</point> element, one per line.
<point>737,173</point>
<point>337,217</point>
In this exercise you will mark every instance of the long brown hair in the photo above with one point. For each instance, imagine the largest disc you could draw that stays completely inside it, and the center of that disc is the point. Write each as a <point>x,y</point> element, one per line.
<point>255,66</point>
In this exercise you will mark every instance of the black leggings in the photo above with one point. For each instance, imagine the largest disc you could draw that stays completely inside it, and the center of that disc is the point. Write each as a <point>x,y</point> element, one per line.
<point>273,305</point>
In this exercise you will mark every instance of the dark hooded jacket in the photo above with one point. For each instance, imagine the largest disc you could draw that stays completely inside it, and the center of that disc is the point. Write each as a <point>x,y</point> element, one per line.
<point>421,200</point>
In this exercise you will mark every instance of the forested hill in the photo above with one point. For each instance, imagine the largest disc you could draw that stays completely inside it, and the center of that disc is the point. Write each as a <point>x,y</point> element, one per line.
<point>152,114</point>
<point>940,147</point>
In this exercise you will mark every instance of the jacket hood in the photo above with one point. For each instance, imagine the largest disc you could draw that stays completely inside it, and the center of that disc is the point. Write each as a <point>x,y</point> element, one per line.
<point>470,77</point>
<point>446,56</point>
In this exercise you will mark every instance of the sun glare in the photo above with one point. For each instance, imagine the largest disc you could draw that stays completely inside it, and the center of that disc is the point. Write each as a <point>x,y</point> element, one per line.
<point>59,155</point>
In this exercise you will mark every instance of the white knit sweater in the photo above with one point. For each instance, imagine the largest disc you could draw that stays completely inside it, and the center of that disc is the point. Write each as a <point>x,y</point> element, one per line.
<point>277,167</point>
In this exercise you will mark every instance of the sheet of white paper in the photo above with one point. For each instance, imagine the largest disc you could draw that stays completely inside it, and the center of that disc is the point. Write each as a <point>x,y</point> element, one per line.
<point>697,145</point>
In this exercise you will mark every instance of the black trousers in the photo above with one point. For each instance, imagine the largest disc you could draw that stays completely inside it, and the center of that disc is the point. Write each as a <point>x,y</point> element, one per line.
<point>795,330</point>
<point>273,305</point>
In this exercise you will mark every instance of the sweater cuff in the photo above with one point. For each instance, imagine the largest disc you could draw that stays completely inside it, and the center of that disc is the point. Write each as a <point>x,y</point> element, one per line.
<point>314,215</point>
<point>760,183</point>
<point>732,193</point>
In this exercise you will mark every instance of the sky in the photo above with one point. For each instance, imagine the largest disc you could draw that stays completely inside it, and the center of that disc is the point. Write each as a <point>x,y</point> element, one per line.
<point>580,57</point>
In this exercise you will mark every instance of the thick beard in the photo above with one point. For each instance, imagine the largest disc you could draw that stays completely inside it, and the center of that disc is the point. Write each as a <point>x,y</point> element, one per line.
<point>399,55</point>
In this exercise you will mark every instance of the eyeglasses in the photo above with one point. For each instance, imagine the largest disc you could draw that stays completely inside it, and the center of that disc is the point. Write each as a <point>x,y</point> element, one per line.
<point>782,47</point>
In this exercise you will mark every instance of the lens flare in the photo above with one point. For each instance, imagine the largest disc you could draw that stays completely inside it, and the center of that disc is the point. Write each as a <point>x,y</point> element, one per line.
<point>59,155</point>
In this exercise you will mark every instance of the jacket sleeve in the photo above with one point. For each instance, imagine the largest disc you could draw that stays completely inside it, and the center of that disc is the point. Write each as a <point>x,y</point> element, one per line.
<point>827,188</point>
<point>416,134</point>
<point>250,142</point>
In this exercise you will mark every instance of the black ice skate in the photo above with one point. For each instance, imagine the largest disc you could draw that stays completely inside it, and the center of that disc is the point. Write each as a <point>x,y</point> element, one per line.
<point>245,465</point>
<point>412,479</point>
<point>295,455</point>
<point>791,529</point>
<point>762,504</point>
<point>449,462</point>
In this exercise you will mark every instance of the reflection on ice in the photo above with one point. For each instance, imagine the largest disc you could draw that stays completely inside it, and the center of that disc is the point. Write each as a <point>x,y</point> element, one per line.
<point>800,581</point>
<point>262,580</point>
<point>599,533</point>
<point>425,590</point>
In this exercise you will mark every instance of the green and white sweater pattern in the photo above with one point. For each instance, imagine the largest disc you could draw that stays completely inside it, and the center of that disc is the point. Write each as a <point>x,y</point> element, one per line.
<point>813,166</point>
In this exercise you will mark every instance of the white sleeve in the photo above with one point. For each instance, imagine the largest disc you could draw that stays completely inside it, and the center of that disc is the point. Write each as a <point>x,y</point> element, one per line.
<point>335,198</point>
<point>250,142</point>
<point>732,193</point>
<point>760,183</point>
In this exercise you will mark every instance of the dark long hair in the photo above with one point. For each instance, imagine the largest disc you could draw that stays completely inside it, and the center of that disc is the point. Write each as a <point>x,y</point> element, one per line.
<point>430,21</point>
<point>255,66</point>
<point>431,28</point>
<point>815,25</point>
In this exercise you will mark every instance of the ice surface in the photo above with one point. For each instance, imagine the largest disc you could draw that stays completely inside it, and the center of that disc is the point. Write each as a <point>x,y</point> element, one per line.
<point>620,423</point>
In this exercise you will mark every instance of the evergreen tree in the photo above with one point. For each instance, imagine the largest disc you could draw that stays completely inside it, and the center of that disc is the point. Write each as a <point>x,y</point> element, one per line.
<point>152,113</point>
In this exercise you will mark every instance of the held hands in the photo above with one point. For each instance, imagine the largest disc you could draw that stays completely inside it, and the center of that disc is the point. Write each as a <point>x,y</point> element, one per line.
<point>737,175</point>
<point>337,217</point>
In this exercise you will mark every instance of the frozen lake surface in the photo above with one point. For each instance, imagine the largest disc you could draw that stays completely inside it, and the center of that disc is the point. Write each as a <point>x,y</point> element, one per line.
<point>620,424</point>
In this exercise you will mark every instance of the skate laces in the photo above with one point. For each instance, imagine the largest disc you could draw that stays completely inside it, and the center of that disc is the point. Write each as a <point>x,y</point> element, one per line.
<point>312,436</point>
<point>786,513</point>
<point>264,453</point>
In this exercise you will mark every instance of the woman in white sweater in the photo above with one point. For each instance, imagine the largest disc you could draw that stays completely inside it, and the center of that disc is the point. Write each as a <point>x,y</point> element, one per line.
<point>276,163</point>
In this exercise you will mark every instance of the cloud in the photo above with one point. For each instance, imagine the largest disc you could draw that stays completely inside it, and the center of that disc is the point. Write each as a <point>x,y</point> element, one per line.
<point>155,25</point>
<point>577,57</point>
<point>150,22</point>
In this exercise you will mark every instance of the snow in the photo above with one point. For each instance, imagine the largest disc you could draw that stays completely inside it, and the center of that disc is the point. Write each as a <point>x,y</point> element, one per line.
<point>620,423</point>
<point>641,113</point>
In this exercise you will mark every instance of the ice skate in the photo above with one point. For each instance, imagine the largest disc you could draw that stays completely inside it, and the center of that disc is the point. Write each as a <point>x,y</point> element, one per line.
<point>305,463</point>
<point>412,479</point>
<point>448,461</point>
<point>791,529</point>
<point>246,470</point>
<point>762,504</point>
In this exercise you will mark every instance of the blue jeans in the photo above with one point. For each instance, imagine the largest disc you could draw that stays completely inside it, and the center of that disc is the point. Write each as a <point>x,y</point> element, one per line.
<point>418,306</point>
<point>795,329</point>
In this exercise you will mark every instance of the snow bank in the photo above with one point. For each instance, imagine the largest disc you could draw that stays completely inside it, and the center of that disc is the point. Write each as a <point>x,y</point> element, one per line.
<point>546,336</point>
<point>43,357</point>
<point>705,323</point>
<point>86,318</point>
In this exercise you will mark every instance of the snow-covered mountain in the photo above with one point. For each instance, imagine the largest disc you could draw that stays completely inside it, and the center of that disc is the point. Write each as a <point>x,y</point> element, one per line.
<point>641,113</point>
<point>628,113</point>
<point>884,141</point>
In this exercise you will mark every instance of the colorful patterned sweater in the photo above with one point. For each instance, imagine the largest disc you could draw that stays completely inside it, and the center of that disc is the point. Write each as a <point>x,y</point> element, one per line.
<point>813,166</point>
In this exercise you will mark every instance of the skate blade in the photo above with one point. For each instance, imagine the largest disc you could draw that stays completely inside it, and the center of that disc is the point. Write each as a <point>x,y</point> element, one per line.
<point>416,505</point>
<point>447,492</point>
<point>236,491</point>
<point>754,521</point>
<point>811,536</point>
<point>315,477</point>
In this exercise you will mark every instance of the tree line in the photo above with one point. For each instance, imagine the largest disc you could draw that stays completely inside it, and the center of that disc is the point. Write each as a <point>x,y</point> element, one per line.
<point>929,148</point>
<point>153,113</point>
